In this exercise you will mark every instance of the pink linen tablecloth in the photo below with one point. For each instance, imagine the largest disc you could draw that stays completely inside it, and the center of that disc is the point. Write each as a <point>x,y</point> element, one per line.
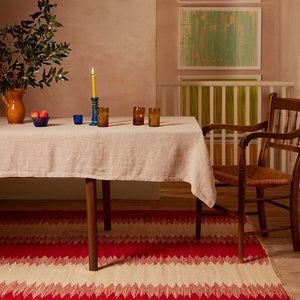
<point>175,151</point>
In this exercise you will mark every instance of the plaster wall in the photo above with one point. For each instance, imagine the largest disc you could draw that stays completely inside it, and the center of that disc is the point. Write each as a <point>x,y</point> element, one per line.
<point>290,48</point>
<point>116,37</point>
<point>290,43</point>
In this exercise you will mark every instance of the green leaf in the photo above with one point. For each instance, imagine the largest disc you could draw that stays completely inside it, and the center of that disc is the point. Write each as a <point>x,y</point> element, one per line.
<point>26,23</point>
<point>55,60</point>
<point>36,15</point>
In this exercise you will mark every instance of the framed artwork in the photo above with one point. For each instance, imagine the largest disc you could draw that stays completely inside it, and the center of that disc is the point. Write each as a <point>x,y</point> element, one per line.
<point>219,38</point>
<point>217,1</point>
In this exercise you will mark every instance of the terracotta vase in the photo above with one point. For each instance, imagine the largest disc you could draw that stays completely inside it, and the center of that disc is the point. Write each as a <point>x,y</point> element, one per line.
<point>15,109</point>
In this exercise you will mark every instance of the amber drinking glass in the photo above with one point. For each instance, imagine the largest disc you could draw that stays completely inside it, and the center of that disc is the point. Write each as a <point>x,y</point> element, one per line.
<point>154,117</point>
<point>138,115</point>
<point>102,116</point>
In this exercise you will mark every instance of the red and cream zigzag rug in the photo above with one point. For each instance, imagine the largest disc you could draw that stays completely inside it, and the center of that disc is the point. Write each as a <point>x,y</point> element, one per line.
<point>147,255</point>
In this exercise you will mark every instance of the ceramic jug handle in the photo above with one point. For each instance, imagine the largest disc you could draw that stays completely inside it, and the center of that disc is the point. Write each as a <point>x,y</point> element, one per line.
<point>5,101</point>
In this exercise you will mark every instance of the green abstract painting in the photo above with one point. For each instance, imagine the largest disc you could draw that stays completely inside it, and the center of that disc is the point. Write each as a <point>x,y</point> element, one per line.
<point>220,38</point>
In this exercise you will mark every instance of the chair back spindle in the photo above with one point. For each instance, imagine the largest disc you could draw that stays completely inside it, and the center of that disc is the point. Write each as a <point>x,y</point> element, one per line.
<point>290,108</point>
<point>283,118</point>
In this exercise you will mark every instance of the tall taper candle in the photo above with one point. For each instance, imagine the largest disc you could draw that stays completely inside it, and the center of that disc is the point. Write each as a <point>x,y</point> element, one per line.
<point>93,83</point>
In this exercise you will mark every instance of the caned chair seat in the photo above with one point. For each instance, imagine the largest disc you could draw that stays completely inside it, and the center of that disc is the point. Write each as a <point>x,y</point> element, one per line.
<point>256,176</point>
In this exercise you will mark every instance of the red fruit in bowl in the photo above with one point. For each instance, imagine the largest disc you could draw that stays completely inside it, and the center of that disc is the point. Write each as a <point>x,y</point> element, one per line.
<point>35,114</point>
<point>44,114</point>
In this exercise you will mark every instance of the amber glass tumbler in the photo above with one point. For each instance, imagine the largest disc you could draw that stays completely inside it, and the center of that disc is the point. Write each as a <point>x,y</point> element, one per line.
<point>154,117</point>
<point>138,115</point>
<point>102,117</point>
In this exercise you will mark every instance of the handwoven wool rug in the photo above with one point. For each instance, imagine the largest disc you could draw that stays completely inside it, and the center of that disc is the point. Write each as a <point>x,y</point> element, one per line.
<point>146,255</point>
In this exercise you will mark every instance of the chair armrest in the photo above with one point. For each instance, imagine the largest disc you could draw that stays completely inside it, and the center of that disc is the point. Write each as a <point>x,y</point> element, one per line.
<point>245,140</point>
<point>244,128</point>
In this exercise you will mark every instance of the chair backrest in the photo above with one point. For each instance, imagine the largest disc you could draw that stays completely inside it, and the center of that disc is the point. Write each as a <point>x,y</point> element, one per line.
<point>283,115</point>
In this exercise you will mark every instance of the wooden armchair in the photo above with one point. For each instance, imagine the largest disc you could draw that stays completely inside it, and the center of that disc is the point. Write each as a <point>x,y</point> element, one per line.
<point>259,176</point>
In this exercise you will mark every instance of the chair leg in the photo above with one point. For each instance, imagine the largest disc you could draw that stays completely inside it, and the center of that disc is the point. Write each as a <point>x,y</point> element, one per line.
<point>261,212</point>
<point>294,219</point>
<point>198,218</point>
<point>241,208</point>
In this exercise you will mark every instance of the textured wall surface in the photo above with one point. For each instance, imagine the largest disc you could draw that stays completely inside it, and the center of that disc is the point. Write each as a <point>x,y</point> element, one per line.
<point>116,37</point>
<point>290,43</point>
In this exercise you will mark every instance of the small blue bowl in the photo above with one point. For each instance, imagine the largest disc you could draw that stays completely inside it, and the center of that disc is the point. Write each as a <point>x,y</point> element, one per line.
<point>40,122</point>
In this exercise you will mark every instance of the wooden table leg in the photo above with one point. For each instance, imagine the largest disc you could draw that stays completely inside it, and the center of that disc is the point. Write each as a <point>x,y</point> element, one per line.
<point>91,206</point>
<point>106,204</point>
<point>198,218</point>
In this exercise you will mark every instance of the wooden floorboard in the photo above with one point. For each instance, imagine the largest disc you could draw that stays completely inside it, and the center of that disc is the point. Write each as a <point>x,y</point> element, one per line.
<point>177,196</point>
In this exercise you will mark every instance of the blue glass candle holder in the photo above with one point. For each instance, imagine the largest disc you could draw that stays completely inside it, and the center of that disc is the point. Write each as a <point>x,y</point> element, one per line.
<point>94,108</point>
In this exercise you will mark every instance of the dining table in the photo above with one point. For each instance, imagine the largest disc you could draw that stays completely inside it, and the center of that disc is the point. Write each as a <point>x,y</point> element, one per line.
<point>176,151</point>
